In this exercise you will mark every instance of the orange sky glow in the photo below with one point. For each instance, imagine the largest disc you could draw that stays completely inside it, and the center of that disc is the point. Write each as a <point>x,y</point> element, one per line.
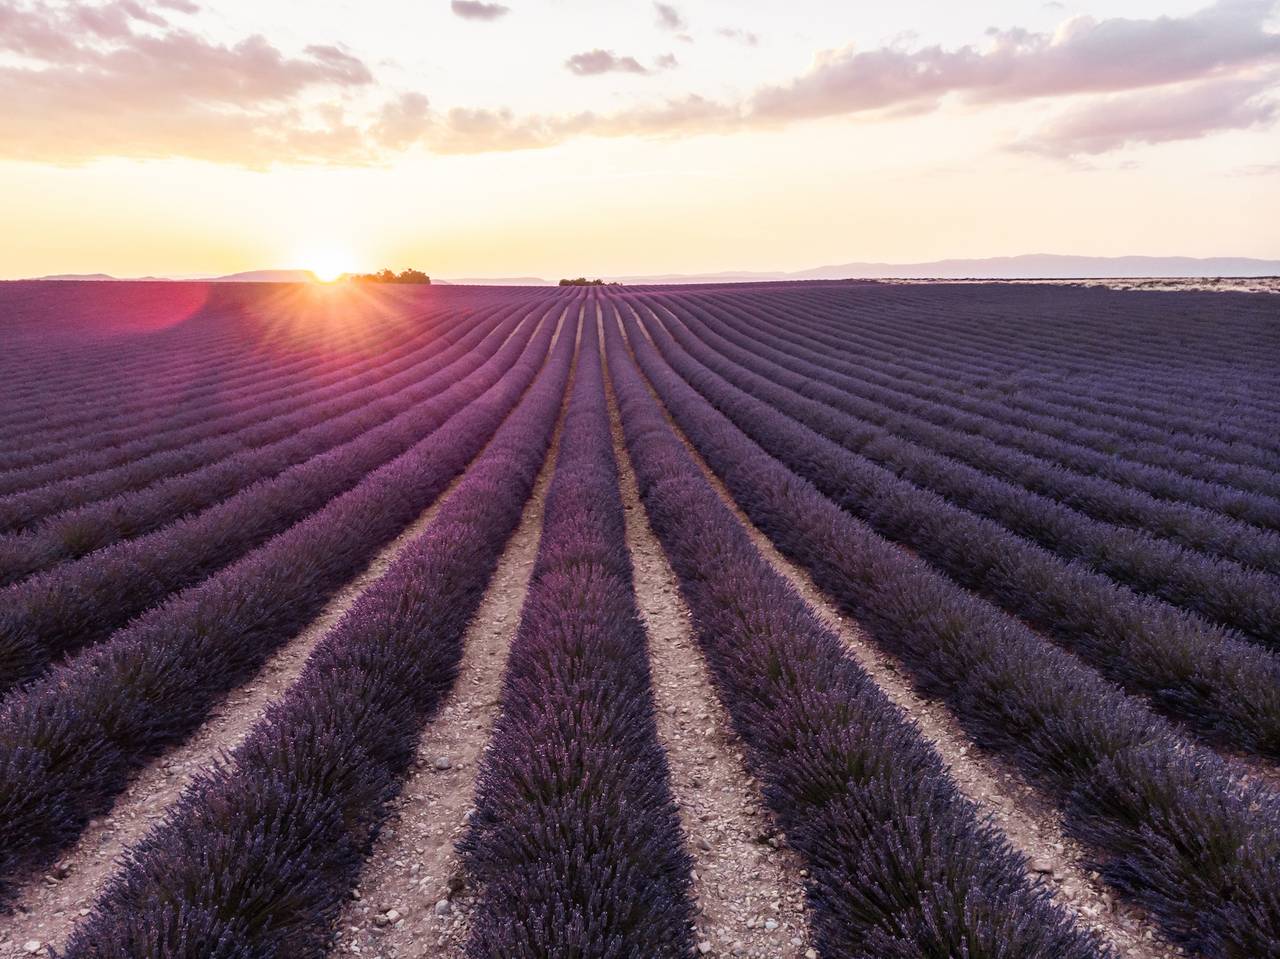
<point>560,137</point>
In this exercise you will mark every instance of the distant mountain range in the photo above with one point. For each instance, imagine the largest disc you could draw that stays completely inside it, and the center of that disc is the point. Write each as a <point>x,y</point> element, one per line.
<point>494,281</point>
<point>1033,266</point>
<point>266,276</point>
<point>252,276</point>
<point>98,277</point>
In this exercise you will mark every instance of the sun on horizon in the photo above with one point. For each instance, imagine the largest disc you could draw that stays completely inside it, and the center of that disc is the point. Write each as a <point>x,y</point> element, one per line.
<point>327,264</point>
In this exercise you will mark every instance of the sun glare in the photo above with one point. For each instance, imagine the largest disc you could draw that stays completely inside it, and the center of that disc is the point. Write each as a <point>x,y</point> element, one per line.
<point>327,264</point>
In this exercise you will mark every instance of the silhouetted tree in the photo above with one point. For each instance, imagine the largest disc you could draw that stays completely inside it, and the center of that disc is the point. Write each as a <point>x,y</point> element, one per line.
<point>390,276</point>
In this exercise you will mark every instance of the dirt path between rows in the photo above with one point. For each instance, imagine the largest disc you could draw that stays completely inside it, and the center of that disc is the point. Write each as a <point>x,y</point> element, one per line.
<point>1031,822</point>
<point>412,899</point>
<point>748,887</point>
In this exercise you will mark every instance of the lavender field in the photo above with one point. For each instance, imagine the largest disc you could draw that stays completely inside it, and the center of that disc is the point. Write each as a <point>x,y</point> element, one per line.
<point>812,619</point>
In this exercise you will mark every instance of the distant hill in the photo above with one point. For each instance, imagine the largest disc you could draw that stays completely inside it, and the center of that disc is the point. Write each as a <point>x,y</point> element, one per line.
<point>80,277</point>
<point>266,276</point>
<point>1032,266</point>
<point>733,276</point>
<point>494,281</point>
<point>251,276</point>
<point>1043,266</point>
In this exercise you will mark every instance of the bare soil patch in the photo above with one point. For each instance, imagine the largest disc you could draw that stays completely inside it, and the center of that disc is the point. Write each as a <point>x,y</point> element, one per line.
<point>413,898</point>
<point>749,886</point>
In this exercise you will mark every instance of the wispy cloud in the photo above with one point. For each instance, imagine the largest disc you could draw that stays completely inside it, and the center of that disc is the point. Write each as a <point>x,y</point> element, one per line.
<point>669,18</point>
<point>1083,56</point>
<point>475,10</point>
<point>596,62</point>
<point>1260,169</point>
<point>737,34</point>
<point>121,79</point>
<point>1157,116</point>
<point>481,131</point>
<point>402,121</point>
<point>1126,81</point>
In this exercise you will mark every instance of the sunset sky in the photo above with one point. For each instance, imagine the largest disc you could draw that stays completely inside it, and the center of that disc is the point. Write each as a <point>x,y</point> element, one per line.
<point>554,137</point>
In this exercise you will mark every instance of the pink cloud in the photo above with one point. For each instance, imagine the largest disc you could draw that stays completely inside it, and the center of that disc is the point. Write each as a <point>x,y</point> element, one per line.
<point>1157,116</point>
<point>483,131</point>
<point>118,79</point>
<point>403,121</point>
<point>114,20</point>
<point>1152,80</point>
<point>475,10</point>
<point>597,62</point>
<point>128,78</point>
<point>1083,56</point>
<point>669,17</point>
<point>737,34</point>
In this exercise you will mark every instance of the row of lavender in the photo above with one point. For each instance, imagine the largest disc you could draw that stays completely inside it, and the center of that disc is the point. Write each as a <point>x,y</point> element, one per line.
<point>1087,450</point>
<point>148,374</point>
<point>259,854</point>
<point>1058,508</point>
<point>1225,687</point>
<point>66,340</point>
<point>54,535</point>
<point>963,440</point>
<point>575,842</point>
<point>70,739</point>
<point>1155,425</point>
<point>899,863</point>
<point>248,412</point>
<point>1129,353</point>
<point>111,355</point>
<point>574,821</point>
<point>1135,352</point>
<point>49,457</point>
<point>1158,419</point>
<point>77,603</point>
<point>1173,826</point>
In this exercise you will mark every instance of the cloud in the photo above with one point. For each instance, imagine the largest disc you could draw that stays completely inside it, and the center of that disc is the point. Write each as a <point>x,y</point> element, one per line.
<point>596,62</point>
<point>1131,81</point>
<point>484,131</point>
<point>745,37</point>
<point>118,79</point>
<point>402,121</point>
<point>1156,116</point>
<point>474,10</point>
<point>1083,56</point>
<point>669,17</point>
<point>127,78</point>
